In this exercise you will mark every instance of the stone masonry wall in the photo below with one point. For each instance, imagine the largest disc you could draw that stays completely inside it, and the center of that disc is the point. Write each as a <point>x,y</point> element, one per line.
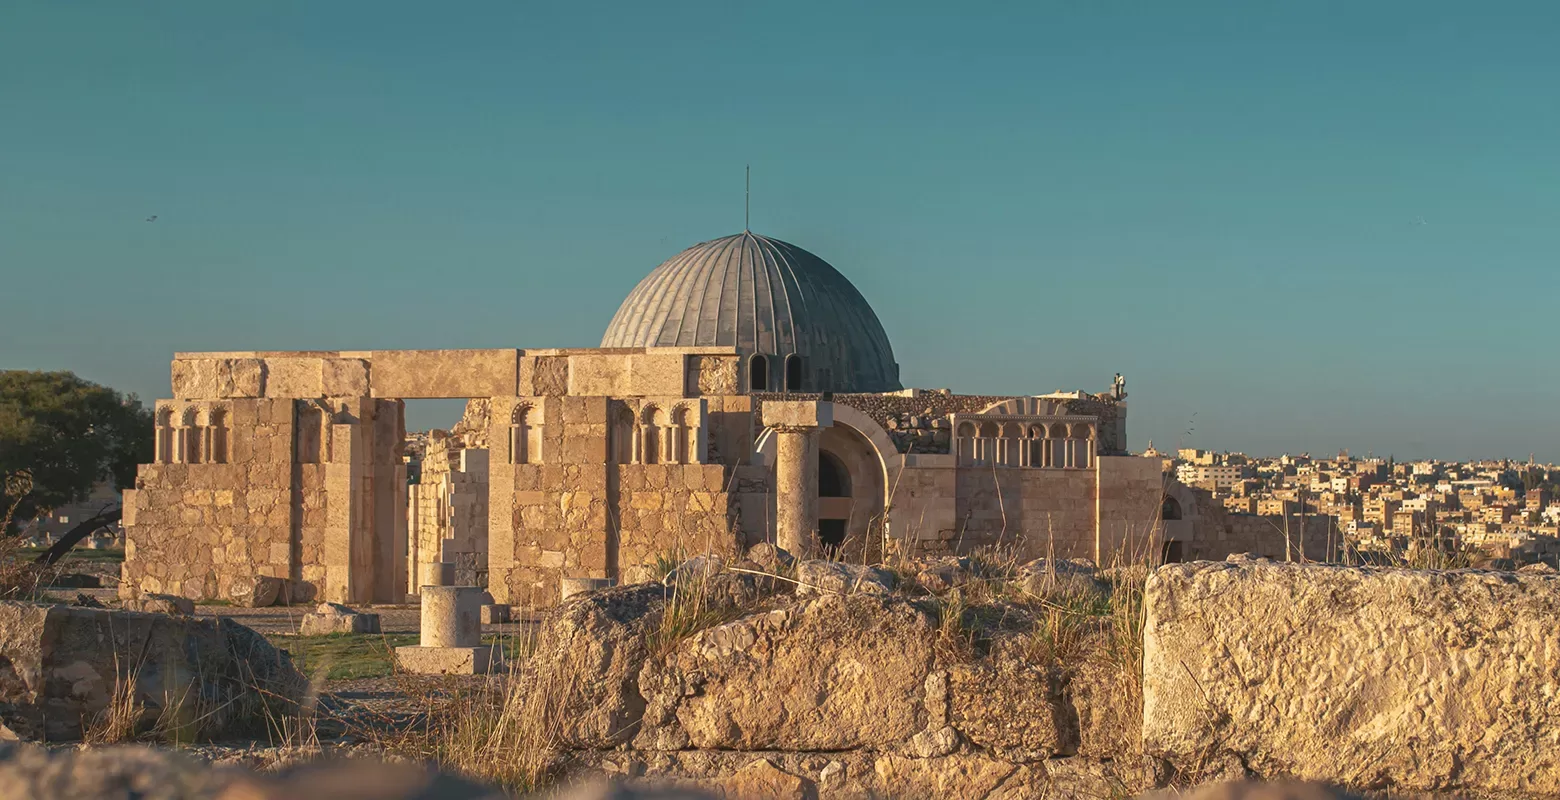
<point>1372,678</point>
<point>198,529</point>
<point>1217,533</point>
<point>669,510</point>
<point>1040,511</point>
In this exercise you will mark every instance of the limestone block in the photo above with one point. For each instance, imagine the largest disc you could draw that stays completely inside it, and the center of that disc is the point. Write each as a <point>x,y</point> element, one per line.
<point>258,591</point>
<point>798,413</point>
<point>420,660</point>
<point>155,603</point>
<point>571,587</point>
<point>331,618</point>
<point>443,373</point>
<point>495,613</point>
<point>1424,681</point>
<point>344,377</point>
<point>293,377</point>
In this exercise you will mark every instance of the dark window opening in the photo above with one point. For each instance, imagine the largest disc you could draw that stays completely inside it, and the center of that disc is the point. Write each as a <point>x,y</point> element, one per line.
<point>758,373</point>
<point>831,534</point>
<point>1173,552</point>
<point>793,373</point>
<point>1170,510</point>
<point>833,477</point>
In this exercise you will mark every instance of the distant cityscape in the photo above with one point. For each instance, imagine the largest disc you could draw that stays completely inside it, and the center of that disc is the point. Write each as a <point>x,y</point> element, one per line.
<point>1500,509</point>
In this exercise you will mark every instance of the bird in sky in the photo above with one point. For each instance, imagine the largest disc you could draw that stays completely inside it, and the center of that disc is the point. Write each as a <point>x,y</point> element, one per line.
<point>152,218</point>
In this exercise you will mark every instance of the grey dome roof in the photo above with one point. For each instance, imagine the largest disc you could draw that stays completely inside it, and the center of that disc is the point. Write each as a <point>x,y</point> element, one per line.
<point>764,296</point>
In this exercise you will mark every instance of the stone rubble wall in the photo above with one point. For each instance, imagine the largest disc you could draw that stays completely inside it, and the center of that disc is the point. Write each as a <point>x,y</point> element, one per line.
<point>1425,681</point>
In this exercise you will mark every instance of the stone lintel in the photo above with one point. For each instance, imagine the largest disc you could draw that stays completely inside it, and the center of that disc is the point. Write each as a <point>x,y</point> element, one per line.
<point>783,414</point>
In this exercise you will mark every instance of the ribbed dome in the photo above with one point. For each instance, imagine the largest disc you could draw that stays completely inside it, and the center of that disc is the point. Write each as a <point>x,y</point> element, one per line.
<point>762,296</point>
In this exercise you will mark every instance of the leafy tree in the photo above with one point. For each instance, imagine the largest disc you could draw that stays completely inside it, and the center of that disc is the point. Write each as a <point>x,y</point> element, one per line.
<point>66,434</point>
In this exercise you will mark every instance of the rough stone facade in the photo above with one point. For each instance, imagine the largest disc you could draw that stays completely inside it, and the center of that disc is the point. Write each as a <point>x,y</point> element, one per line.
<point>1375,678</point>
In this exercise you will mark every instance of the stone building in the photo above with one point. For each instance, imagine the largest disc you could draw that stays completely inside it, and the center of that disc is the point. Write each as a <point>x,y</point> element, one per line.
<point>744,392</point>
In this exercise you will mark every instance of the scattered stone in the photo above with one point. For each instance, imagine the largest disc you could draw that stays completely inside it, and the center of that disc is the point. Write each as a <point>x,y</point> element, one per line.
<point>943,574</point>
<point>495,614</point>
<point>935,743</point>
<point>64,663</point>
<point>1539,568</point>
<point>834,577</point>
<point>87,601</point>
<point>152,603</point>
<point>832,775</point>
<point>1046,577</point>
<point>260,591</point>
<point>770,556</point>
<point>694,570</point>
<point>331,618</point>
<point>762,779</point>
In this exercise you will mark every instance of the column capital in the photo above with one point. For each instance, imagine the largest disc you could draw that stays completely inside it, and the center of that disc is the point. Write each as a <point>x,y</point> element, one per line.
<point>796,428</point>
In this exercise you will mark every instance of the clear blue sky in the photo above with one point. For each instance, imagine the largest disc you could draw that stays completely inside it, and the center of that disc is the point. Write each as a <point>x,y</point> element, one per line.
<point>1296,226</point>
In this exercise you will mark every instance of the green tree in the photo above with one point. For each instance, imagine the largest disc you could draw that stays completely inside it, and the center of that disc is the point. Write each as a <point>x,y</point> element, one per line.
<point>66,434</point>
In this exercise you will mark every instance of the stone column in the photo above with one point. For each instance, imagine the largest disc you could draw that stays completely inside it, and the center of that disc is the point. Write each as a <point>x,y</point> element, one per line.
<point>451,616</point>
<point>797,426</point>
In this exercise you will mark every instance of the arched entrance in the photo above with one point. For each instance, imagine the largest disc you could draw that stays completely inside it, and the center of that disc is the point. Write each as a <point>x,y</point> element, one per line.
<point>850,494</point>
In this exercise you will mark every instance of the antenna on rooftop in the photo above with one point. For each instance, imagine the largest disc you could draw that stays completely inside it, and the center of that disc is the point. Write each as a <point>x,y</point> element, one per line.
<point>747,200</point>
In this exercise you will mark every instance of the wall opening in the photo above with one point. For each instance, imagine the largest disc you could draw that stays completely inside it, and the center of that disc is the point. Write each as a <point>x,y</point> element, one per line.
<point>831,534</point>
<point>758,373</point>
<point>833,476</point>
<point>1173,552</point>
<point>1170,510</point>
<point>793,373</point>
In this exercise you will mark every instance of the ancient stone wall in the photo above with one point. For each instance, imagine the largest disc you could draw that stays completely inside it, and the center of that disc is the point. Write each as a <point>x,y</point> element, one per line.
<point>195,529</point>
<point>1131,495</point>
<point>1039,511</point>
<point>1425,681</point>
<point>667,510</point>
<point>1216,533</point>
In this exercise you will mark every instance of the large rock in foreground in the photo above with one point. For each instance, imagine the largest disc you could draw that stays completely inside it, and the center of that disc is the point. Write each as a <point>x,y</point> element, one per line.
<point>830,673</point>
<point>60,666</point>
<point>589,655</point>
<point>1365,677</point>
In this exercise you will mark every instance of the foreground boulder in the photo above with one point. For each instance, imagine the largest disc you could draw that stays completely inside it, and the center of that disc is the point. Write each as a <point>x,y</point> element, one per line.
<point>828,673</point>
<point>1364,677</point>
<point>589,654</point>
<point>60,666</point>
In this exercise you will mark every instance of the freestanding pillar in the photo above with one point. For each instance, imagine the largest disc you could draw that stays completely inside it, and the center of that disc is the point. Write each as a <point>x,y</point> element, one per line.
<point>797,426</point>
<point>451,640</point>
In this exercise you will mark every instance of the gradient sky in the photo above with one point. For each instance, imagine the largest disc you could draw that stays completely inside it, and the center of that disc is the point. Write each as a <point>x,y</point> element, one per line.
<point>1307,227</point>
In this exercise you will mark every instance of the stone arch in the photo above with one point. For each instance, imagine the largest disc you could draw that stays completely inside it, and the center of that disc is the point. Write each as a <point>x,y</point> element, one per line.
<point>793,373</point>
<point>624,449</point>
<point>523,438</point>
<point>187,436</point>
<point>651,418</point>
<point>165,437</point>
<point>214,435</point>
<point>758,373</point>
<point>1022,407</point>
<point>1170,509</point>
<point>677,445</point>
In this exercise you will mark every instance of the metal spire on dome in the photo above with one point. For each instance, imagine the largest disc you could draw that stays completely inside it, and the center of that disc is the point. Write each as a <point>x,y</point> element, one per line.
<point>747,201</point>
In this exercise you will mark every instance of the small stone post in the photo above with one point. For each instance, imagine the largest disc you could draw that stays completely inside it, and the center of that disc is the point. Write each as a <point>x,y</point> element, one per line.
<point>451,640</point>
<point>797,426</point>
